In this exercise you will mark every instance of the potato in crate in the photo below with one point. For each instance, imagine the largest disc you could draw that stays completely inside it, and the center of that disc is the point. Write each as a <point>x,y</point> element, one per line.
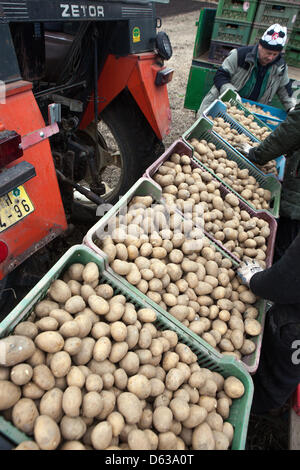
<point>128,366</point>
<point>168,266</point>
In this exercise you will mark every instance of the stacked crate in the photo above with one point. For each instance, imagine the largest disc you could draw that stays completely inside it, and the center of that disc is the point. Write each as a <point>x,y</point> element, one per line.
<point>232,27</point>
<point>286,14</point>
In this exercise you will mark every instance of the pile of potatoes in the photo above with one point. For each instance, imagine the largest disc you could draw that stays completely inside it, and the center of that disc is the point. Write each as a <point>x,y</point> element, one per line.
<point>238,179</point>
<point>183,272</point>
<point>88,370</point>
<point>257,109</point>
<point>197,195</point>
<point>232,136</point>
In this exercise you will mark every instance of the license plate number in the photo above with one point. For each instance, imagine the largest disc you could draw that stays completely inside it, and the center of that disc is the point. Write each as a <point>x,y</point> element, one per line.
<point>14,206</point>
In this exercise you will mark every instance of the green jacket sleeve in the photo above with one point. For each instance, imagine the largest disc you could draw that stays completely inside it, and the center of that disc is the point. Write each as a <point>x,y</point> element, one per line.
<point>283,141</point>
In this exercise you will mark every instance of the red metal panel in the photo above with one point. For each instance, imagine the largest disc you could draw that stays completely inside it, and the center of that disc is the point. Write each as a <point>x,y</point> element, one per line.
<point>137,72</point>
<point>21,113</point>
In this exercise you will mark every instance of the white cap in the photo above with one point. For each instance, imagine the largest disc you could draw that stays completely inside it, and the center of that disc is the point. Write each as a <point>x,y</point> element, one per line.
<point>274,38</point>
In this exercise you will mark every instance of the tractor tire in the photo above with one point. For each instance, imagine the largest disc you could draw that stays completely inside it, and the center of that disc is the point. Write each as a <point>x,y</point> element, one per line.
<point>139,146</point>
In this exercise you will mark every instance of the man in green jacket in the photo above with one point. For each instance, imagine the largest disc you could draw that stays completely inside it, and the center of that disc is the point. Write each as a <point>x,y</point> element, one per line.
<point>255,72</point>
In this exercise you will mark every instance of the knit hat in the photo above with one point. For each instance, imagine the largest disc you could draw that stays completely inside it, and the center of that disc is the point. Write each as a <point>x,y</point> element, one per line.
<point>274,38</point>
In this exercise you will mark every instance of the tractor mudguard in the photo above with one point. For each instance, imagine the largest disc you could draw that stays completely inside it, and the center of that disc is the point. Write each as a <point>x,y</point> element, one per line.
<point>137,72</point>
<point>35,178</point>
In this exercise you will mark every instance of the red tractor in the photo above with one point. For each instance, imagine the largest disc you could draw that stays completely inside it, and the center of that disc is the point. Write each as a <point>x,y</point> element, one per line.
<point>83,111</point>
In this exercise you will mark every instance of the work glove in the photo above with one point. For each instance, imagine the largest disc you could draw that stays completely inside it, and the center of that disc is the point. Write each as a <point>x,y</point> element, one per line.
<point>238,97</point>
<point>244,148</point>
<point>247,269</point>
<point>291,109</point>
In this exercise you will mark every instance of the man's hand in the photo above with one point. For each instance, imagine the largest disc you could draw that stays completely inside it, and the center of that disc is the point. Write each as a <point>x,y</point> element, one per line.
<point>244,148</point>
<point>247,269</point>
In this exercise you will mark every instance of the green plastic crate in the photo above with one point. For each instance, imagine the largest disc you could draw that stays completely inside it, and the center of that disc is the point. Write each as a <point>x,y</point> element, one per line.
<point>199,83</point>
<point>145,187</point>
<point>276,12</point>
<point>297,22</point>
<point>240,410</point>
<point>239,10</point>
<point>231,31</point>
<point>229,96</point>
<point>294,40</point>
<point>201,129</point>
<point>292,57</point>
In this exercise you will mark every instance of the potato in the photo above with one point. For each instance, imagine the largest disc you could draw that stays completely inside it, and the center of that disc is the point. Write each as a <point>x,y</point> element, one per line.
<point>117,423</point>
<point>74,304</point>
<point>118,351</point>
<point>102,349</point>
<point>15,349</point>
<point>215,421</point>
<point>49,341</point>
<point>247,297</point>
<point>85,353</point>
<point>105,291</point>
<point>101,435</point>
<point>72,345</point>
<point>24,414</point>
<point>69,329</point>
<point>221,440</point>
<point>228,431</point>
<point>72,428</point>
<point>59,291</point>
<point>51,404</point>
<point>92,404</point>
<point>71,401</point>
<point>60,315</point>
<point>157,387</point>
<point>72,445</point>
<point>138,440</point>
<point>109,402</point>
<point>85,324</point>
<point>27,445</point>
<point>196,416</point>
<point>26,328</point>
<point>47,324</point>
<point>60,364</point>
<point>21,374</point>
<point>252,327</point>
<point>75,271</point>
<point>223,407</point>
<point>146,315</point>
<point>203,438</point>
<point>139,385</point>
<point>43,377</point>
<point>90,272</point>
<point>233,387</point>
<point>44,308</point>
<point>99,305</point>
<point>162,419</point>
<point>118,331</point>
<point>180,409</point>
<point>130,407</point>
<point>174,379</point>
<point>46,433</point>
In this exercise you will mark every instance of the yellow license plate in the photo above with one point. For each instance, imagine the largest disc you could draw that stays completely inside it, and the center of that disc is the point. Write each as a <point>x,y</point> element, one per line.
<point>14,206</point>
